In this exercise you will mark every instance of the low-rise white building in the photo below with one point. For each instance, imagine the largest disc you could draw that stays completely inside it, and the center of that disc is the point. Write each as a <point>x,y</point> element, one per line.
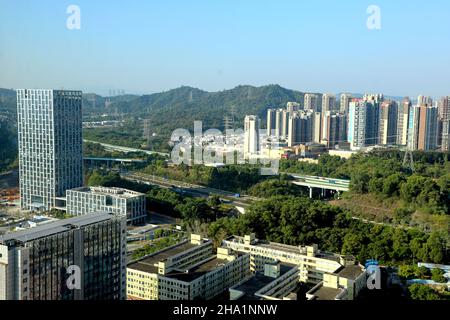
<point>86,200</point>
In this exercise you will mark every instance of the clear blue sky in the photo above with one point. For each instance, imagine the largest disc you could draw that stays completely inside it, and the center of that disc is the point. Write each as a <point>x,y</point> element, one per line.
<point>149,46</point>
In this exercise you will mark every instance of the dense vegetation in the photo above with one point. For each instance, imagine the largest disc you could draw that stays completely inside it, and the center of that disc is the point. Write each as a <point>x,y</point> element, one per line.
<point>424,292</point>
<point>378,179</point>
<point>295,220</point>
<point>179,108</point>
<point>237,178</point>
<point>166,201</point>
<point>8,143</point>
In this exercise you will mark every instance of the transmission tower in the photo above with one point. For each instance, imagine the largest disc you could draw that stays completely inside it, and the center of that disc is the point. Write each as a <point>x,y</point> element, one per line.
<point>147,131</point>
<point>228,122</point>
<point>408,160</point>
<point>233,114</point>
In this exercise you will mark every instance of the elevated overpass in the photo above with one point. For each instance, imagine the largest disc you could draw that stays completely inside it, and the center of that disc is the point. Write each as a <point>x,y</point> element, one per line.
<point>322,183</point>
<point>111,147</point>
<point>113,160</point>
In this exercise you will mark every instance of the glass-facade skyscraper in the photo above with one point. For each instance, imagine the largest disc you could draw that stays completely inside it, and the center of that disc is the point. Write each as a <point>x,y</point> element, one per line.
<point>50,145</point>
<point>81,258</point>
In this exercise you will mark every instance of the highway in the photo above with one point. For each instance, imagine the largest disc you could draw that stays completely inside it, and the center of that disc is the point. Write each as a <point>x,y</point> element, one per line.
<point>113,160</point>
<point>321,182</point>
<point>190,189</point>
<point>112,147</point>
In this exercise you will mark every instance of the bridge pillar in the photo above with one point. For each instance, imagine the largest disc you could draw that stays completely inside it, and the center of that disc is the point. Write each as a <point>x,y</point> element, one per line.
<point>310,192</point>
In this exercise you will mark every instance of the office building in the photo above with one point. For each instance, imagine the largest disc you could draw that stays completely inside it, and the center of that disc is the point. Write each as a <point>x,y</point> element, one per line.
<point>124,202</point>
<point>308,263</point>
<point>345,102</point>
<point>81,258</point>
<point>252,126</point>
<point>403,120</point>
<point>328,103</point>
<point>388,123</point>
<point>343,284</point>
<point>187,271</point>
<point>50,146</point>
<point>311,103</point>
<point>279,281</point>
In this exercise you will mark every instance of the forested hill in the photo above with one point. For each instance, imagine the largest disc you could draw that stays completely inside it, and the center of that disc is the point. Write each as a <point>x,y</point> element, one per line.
<point>178,108</point>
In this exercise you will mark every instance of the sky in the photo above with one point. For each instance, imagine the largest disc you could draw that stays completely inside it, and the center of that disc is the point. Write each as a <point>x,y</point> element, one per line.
<point>146,46</point>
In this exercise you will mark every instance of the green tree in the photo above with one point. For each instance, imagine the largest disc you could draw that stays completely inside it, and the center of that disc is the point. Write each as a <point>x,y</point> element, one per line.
<point>422,292</point>
<point>438,275</point>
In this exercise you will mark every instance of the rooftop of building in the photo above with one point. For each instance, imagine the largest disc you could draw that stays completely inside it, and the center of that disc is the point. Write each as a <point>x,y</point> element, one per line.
<point>198,270</point>
<point>324,293</point>
<point>351,272</point>
<point>147,264</point>
<point>259,281</point>
<point>110,191</point>
<point>56,227</point>
<point>286,248</point>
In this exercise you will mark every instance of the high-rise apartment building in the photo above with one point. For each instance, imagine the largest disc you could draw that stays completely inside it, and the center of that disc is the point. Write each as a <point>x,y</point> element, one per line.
<point>291,107</point>
<point>270,121</point>
<point>345,102</point>
<point>81,258</point>
<point>363,123</point>
<point>278,122</point>
<point>124,202</point>
<point>328,103</point>
<point>413,127</point>
<point>428,127</point>
<point>446,135</point>
<point>311,103</point>
<point>300,128</point>
<point>402,122</point>
<point>424,100</point>
<point>373,98</point>
<point>444,117</point>
<point>317,127</point>
<point>444,108</point>
<point>284,123</point>
<point>50,145</point>
<point>334,129</point>
<point>252,125</point>
<point>388,123</point>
